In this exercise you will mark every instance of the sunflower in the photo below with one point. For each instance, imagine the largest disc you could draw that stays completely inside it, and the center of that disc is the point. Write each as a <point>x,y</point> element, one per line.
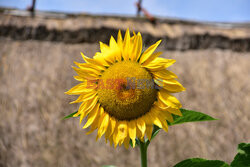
<point>124,92</point>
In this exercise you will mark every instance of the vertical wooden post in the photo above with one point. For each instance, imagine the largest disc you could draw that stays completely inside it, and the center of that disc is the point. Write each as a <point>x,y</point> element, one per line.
<point>139,8</point>
<point>32,8</point>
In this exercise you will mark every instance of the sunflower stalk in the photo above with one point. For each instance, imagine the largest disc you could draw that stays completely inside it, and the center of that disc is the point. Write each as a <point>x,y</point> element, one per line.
<point>143,150</point>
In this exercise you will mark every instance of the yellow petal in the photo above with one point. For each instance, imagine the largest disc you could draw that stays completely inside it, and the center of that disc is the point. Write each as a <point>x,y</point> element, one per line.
<point>90,70</point>
<point>141,125</point>
<point>85,97</point>
<point>92,66</point>
<point>112,43</point>
<point>168,99</point>
<point>116,50</point>
<point>137,47</point>
<point>147,118</point>
<point>98,61</point>
<point>102,59</point>
<point>85,74</point>
<point>103,47</point>
<point>149,129</point>
<point>126,142</point>
<point>132,40</point>
<point>121,131</point>
<point>114,136</point>
<point>168,116</point>
<point>83,108</point>
<point>94,125</point>
<point>109,130</point>
<point>164,74</point>
<point>90,61</point>
<point>170,85</point>
<point>78,89</point>
<point>79,64</point>
<point>87,107</point>
<point>103,126</point>
<point>155,119</point>
<point>164,115</point>
<point>164,124</point>
<point>113,124</point>
<point>132,131</point>
<point>107,134</point>
<point>163,107</point>
<point>78,78</point>
<point>112,55</point>
<point>126,45</point>
<point>111,141</point>
<point>133,43</point>
<point>159,64</point>
<point>99,124</point>
<point>148,53</point>
<point>151,58</point>
<point>119,39</point>
<point>92,116</point>
<point>139,134</point>
<point>174,111</point>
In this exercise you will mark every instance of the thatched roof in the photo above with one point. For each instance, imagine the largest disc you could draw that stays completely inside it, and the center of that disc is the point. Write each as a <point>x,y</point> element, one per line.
<point>176,34</point>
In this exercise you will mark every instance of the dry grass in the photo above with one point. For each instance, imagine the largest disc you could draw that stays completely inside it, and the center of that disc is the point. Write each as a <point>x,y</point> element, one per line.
<point>35,74</point>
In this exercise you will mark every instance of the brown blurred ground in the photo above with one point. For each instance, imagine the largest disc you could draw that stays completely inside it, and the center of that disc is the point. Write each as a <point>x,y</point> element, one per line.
<point>34,74</point>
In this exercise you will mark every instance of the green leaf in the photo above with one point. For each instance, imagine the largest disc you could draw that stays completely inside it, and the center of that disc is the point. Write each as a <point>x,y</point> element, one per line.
<point>156,130</point>
<point>190,116</point>
<point>199,162</point>
<point>242,159</point>
<point>69,116</point>
<point>108,166</point>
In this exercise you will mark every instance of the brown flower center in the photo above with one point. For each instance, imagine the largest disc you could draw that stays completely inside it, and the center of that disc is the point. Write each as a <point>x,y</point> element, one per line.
<point>126,90</point>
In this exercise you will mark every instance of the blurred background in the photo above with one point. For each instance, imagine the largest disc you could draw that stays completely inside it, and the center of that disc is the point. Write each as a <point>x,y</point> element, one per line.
<point>39,40</point>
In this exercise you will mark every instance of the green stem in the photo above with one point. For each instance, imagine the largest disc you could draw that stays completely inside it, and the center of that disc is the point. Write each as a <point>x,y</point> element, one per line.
<point>143,150</point>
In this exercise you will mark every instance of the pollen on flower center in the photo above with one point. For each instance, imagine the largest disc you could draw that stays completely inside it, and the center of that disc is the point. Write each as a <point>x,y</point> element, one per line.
<point>126,90</point>
<point>124,93</point>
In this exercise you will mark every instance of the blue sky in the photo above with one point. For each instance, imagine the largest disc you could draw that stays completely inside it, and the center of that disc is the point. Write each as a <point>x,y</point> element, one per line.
<point>201,10</point>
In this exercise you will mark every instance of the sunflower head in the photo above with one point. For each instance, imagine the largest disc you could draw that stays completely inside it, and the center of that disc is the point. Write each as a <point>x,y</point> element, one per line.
<point>124,92</point>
